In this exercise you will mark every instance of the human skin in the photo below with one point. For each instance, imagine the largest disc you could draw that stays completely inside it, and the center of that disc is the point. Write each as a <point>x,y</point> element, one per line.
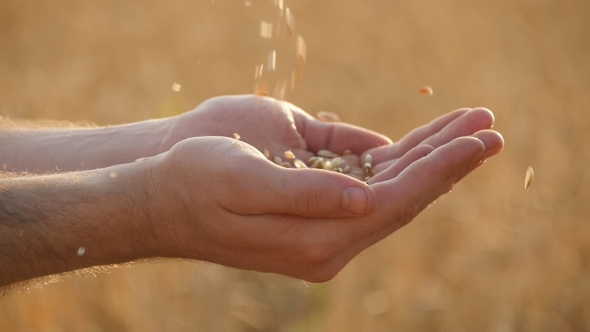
<point>209,197</point>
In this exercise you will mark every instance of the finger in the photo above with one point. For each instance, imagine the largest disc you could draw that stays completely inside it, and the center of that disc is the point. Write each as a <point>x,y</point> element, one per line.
<point>269,189</point>
<point>415,137</point>
<point>400,199</point>
<point>395,168</point>
<point>494,143</point>
<point>471,122</point>
<point>333,136</point>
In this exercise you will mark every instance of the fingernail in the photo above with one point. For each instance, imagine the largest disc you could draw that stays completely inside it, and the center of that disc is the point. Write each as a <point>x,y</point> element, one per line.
<point>355,200</point>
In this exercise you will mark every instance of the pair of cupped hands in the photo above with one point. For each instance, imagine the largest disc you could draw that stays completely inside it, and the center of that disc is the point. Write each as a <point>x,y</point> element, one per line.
<point>218,199</point>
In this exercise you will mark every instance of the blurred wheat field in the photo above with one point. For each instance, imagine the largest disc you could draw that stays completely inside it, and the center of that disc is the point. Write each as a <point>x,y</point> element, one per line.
<point>488,257</point>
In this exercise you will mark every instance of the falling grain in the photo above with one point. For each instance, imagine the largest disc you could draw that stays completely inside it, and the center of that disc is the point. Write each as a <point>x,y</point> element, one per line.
<point>301,50</point>
<point>426,90</point>
<point>267,154</point>
<point>280,5</point>
<point>176,87</point>
<point>237,136</point>
<point>258,71</point>
<point>261,89</point>
<point>529,177</point>
<point>290,21</point>
<point>271,61</point>
<point>266,30</point>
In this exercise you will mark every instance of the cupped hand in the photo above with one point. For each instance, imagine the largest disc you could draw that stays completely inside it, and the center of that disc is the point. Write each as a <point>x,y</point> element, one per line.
<point>277,126</point>
<point>220,200</point>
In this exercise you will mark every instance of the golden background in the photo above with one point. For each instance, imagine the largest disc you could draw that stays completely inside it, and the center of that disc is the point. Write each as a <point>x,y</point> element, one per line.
<point>488,257</point>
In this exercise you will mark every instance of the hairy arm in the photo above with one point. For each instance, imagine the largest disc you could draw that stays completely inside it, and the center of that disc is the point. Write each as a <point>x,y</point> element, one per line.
<point>29,147</point>
<point>45,220</point>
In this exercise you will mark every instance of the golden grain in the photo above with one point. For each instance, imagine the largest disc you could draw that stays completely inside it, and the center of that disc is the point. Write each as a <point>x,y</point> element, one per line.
<point>301,50</point>
<point>271,61</point>
<point>529,177</point>
<point>289,154</point>
<point>337,161</point>
<point>426,90</point>
<point>266,30</point>
<point>328,117</point>
<point>327,154</point>
<point>261,89</point>
<point>318,164</point>
<point>290,21</point>
<point>299,163</point>
<point>313,160</point>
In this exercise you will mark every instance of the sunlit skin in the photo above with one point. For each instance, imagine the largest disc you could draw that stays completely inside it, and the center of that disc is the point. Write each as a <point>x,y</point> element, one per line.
<point>208,197</point>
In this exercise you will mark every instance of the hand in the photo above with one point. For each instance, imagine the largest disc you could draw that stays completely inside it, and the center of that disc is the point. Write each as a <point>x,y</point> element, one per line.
<point>222,201</point>
<point>269,124</point>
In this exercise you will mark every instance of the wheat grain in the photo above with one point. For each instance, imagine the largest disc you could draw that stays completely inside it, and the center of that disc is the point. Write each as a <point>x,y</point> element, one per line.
<point>529,177</point>
<point>327,154</point>
<point>426,90</point>
<point>328,117</point>
<point>289,154</point>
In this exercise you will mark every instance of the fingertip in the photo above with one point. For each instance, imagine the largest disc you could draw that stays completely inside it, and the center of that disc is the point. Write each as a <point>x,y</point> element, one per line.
<point>484,115</point>
<point>493,141</point>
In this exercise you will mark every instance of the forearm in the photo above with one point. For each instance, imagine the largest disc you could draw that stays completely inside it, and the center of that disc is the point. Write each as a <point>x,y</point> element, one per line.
<point>45,220</point>
<point>70,149</point>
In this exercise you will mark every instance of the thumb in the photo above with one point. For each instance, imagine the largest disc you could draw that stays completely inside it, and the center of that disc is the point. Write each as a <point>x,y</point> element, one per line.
<point>311,193</point>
